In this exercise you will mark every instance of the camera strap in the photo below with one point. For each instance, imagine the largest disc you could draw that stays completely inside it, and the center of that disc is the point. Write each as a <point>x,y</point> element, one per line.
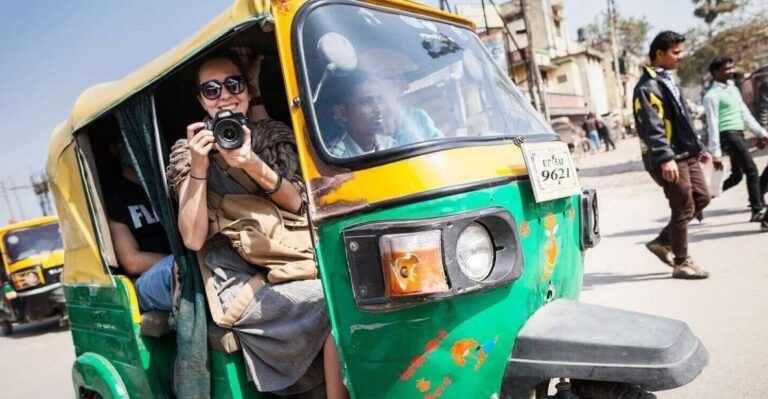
<point>238,175</point>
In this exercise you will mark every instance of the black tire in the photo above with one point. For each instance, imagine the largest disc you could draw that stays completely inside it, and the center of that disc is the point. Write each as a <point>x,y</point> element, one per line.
<point>608,390</point>
<point>6,327</point>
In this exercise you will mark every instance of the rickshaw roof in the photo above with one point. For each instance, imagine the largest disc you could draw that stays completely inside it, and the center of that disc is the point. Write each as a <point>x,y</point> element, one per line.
<point>28,223</point>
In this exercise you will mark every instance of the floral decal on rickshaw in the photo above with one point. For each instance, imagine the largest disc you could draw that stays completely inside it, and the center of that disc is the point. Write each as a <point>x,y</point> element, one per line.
<point>525,229</point>
<point>470,348</point>
<point>551,246</point>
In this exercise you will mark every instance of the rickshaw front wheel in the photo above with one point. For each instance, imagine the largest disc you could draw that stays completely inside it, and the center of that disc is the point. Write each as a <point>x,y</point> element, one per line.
<point>585,389</point>
<point>6,327</point>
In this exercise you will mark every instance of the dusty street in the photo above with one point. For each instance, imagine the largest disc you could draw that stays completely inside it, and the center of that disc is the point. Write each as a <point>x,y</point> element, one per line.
<point>727,311</point>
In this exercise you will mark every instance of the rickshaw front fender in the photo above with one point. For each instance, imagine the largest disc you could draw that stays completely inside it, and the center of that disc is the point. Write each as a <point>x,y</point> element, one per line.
<point>94,373</point>
<point>582,341</point>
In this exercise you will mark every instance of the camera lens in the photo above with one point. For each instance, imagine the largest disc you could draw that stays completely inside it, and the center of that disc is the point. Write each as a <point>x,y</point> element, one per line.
<point>228,133</point>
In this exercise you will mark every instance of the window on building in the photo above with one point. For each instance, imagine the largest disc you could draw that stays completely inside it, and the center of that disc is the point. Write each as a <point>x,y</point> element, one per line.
<point>562,78</point>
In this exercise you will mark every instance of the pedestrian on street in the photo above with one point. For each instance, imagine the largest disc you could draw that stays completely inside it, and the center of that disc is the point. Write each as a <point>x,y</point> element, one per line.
<point>727,116</point>
<point>670,151</point>
<point>761,111</point>
<point>605,133</point>
<point>590,127</point>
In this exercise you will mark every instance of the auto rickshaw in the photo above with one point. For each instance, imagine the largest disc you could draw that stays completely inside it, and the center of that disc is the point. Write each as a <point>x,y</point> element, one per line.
<point>451,265</point>
<point>32,263</point>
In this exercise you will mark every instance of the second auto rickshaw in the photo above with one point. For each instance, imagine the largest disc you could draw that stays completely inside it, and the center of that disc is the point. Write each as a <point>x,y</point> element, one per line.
<point>32,262</point>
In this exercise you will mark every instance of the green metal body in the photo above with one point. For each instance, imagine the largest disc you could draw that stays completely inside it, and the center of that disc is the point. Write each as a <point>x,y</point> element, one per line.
<point>413,352</point>
<point>433,349</point>
<point>102,325</point>
<point>114,360</point>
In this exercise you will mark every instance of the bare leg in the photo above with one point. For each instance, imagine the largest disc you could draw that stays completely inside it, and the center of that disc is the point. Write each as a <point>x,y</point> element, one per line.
<point>334,387</point>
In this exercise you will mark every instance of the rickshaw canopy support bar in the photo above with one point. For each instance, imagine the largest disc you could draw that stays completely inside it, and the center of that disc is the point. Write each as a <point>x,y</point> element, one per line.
<point>590,342</point>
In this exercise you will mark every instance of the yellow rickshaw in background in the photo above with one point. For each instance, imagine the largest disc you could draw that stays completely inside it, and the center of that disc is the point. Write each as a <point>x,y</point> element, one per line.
<point>451,262</point>
<point>32,263</point>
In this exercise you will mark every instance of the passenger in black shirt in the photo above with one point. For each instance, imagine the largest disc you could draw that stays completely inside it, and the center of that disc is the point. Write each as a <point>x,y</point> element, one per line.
<point>140,242</point>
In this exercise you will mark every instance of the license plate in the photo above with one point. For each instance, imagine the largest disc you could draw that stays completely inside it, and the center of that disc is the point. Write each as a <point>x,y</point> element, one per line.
<point>551,170</point>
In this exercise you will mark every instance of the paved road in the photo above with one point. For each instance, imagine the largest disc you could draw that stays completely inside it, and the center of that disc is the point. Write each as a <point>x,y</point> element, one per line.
<point>728,311</point>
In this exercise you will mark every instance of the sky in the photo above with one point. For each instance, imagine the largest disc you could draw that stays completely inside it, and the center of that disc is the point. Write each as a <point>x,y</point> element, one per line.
<point>50,51</point>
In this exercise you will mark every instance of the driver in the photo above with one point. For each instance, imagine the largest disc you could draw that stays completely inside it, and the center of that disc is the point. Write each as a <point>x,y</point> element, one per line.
<point>362,107</point>
<point>405,123</point>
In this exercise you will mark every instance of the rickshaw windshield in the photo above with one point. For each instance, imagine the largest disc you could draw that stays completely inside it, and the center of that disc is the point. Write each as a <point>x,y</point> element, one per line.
<point>381,81</point>
<point>24,243</point>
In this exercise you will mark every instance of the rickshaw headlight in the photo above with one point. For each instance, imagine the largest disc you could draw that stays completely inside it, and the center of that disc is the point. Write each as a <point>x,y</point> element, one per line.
<point>25,279</point>
<point>31,279</point>
<point>475,252</point>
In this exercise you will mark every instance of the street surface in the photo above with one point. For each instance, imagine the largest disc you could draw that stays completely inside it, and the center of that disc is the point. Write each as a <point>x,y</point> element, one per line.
<point>727,311</point>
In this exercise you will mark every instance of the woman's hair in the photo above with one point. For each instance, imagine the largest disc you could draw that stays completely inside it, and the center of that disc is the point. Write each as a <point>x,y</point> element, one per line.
<point>230,56</point>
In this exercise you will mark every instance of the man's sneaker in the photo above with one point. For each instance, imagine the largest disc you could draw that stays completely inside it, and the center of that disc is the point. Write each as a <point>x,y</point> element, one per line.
<point>764,224</point>
<point>689,270</point>
<point>757,216</point>
<point>662,251</point>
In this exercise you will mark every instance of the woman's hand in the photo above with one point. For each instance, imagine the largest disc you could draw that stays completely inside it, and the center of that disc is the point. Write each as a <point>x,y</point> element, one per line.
<point>200,145</point>
<point>242,157</point>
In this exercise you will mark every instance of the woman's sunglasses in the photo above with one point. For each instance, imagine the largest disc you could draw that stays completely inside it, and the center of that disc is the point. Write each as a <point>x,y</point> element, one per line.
<point>212,88</point>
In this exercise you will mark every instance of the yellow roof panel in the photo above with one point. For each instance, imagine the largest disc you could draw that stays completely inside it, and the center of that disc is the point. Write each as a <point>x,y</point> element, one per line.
<point>102,97</point>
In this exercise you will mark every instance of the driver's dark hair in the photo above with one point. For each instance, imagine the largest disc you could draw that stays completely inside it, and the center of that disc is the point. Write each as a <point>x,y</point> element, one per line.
<point>344,86</point>
<point>228,55</point>
<point>664,41</point>
<point>719,62</point>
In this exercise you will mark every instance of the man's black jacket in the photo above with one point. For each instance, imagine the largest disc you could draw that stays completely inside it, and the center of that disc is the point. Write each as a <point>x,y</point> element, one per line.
<point>664,126</point>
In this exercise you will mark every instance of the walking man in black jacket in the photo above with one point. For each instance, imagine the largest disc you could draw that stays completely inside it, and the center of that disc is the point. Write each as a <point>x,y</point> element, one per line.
<point>670,150</point>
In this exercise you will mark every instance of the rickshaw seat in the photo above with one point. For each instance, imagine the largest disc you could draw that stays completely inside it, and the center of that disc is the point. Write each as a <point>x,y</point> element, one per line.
<point>222,339</point>
<point>155,324</point>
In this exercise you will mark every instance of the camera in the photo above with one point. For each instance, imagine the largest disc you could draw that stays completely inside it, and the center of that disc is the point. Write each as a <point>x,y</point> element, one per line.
<point>227,128</point>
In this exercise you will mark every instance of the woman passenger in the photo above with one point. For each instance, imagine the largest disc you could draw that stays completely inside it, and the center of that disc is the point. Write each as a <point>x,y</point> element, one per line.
<point>286,325</point>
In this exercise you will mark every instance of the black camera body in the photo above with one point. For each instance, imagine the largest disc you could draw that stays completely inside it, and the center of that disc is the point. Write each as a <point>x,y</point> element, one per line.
<point>227,128</point>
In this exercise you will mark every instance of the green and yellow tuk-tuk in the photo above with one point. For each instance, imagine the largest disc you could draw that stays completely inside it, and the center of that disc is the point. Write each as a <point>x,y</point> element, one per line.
<point>32,263</point>
<point>451,261</point>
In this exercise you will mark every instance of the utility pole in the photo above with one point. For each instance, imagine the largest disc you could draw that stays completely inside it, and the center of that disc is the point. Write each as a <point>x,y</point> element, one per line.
<point>523,56</point>
<point>619,90</point>
<point>7,201</point>
<point>41,190</point>
<point>540,99</point>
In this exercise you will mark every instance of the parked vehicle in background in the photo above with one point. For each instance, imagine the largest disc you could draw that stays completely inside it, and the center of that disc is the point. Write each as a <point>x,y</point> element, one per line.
<point>32,262</point>
<point>570,135</point>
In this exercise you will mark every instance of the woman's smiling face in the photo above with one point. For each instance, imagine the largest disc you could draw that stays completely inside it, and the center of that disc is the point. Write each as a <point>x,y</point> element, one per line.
<point>220,69</point>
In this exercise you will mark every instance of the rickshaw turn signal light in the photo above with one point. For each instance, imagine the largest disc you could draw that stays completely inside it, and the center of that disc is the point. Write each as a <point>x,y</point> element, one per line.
<point>413,263</point>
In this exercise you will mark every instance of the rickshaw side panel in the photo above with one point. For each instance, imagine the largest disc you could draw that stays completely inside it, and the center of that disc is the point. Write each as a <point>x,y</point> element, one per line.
<point>434,347</point>
<point>104,320</point>
<point>228,377</point>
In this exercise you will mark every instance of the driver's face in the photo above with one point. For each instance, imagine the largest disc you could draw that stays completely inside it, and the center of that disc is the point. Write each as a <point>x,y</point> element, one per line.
<point>364,111</point>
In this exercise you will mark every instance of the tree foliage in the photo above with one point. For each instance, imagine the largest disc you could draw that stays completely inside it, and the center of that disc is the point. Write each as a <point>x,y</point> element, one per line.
<point>632,33</point>
<point>747,44</point>
<point>709,10</point>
